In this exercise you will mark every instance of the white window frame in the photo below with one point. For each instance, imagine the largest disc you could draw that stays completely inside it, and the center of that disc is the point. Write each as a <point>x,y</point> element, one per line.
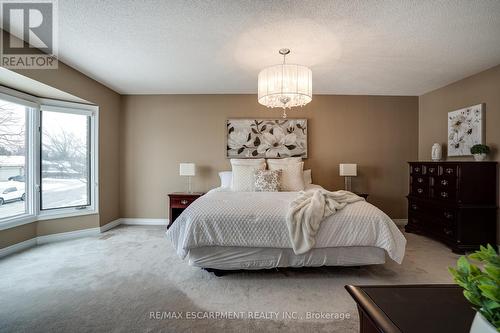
<point>33,181</point>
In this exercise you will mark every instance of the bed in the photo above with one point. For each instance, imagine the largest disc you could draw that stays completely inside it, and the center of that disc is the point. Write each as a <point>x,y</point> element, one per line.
<point>226,230</point>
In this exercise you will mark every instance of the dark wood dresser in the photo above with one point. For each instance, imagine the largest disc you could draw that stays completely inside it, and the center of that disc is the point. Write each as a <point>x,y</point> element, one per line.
<point>455,202</point>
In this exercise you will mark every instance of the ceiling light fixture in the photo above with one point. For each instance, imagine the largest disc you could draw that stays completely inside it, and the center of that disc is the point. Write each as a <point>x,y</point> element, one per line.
<point>285,85</point>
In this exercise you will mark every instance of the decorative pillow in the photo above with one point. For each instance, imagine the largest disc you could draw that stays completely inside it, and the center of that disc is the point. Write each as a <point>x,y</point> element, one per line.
<point>267,180</point>
<point>292,177</point>
<point>225,178</point>
<point>243,174</point>
<point>307,177</point>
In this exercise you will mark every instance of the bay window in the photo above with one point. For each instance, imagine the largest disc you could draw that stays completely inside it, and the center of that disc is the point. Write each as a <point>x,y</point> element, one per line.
<point>48,158</point>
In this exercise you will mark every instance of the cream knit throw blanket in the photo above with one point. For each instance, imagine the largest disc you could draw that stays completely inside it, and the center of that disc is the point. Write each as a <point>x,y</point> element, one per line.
<point>308,211</point>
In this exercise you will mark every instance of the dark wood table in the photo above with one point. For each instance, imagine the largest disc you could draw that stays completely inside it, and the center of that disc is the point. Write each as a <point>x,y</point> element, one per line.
<point>426,308</point>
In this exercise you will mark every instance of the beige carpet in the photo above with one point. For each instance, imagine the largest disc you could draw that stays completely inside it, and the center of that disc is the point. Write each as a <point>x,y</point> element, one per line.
<point>114,282</point>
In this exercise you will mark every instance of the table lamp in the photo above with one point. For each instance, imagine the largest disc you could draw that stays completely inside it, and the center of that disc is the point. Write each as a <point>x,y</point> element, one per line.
<point>189,170</point>
<point>348,171</point>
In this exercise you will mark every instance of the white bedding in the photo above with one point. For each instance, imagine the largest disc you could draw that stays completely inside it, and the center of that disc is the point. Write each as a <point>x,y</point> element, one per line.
<point>258,219</point>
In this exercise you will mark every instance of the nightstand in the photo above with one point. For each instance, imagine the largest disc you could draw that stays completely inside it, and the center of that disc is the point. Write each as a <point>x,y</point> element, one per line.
<point>363,195</point>
<point>178,202</point>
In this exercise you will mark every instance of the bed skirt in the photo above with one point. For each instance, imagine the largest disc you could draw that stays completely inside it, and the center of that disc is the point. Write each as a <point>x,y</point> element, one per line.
<point>236,258</point>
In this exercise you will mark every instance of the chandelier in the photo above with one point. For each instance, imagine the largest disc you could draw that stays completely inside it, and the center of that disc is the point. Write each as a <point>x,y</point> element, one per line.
<point>285,85</point>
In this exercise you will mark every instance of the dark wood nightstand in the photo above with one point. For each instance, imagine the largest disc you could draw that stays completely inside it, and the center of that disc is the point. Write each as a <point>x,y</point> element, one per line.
<point>363,195</point>
<point>178,202</point>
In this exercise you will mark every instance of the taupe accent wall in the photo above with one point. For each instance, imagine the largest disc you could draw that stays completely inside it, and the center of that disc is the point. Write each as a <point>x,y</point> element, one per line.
<point>379,133</point>
<point>434,106</point>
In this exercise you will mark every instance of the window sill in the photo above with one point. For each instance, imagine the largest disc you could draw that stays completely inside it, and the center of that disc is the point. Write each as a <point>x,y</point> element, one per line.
<point>19,221</point>
<point>65,214</point>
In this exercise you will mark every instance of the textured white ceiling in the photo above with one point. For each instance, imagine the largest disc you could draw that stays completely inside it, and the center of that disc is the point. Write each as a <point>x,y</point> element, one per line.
<point>353,46</point>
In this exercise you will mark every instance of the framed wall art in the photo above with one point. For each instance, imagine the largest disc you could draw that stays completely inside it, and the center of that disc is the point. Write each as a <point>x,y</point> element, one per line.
<point>465,129</point>
<point>266,138</point>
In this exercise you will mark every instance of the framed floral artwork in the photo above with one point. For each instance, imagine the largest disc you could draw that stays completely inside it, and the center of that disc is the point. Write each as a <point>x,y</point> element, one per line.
<point>268,138</point>
<point>465,129</point>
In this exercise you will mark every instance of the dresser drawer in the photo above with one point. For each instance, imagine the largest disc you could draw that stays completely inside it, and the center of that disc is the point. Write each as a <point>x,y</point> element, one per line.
<point>181,202</point>
<point>419,189</point>
<point>448,170</point>
<point>443,193</point>
<point>431,170</point>
<point>417,169</point>
<point>444,182</point>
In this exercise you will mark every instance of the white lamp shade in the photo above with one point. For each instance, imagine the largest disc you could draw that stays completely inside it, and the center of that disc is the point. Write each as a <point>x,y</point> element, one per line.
<point>187,169</point>
<point>348,169</point>
<point>286,82</point>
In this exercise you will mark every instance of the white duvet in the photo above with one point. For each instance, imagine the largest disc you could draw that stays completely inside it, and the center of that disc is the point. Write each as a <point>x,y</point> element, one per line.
<point>258,219</point>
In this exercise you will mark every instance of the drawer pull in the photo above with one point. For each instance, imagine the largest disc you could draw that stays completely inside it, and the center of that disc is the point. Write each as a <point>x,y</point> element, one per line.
<point>184,202</point>
<point>444,182</point>
<point>420,180</point>
<point>444,194</point>
<point>448,215</point>
<point>414,206</point>
<point>447,231</point>
<point>417,169</point>
<point>420,191</point>
<point>449,171</point>
<point>431,170</point>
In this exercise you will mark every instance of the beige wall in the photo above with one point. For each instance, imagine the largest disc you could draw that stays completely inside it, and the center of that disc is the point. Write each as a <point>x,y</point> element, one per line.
<point>160,131</point>
<point>434,106</point>
<point>71,81</point>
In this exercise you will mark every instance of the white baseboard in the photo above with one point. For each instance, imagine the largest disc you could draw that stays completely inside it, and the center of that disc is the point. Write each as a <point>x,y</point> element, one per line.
<point>17,247</point>
<point>68,235</point>
<point>139,221</point>
<point>111,225</point>
<point>400,222</point>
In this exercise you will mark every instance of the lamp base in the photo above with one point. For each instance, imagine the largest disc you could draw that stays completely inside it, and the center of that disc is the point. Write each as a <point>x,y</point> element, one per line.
<point>190,190</point>
<point>348,183</point>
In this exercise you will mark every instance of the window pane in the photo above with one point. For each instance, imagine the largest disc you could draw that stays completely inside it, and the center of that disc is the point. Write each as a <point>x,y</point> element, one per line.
<point>65,160</point>
<point>12,159</point>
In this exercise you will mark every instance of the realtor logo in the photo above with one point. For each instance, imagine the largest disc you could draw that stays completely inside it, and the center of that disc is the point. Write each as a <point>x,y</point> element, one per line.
<point>29,39</point>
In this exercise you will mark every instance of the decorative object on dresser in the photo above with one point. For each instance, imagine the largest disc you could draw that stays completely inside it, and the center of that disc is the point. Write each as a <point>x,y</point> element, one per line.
<point>348,171</point>
<point>480,152</point>
<point>429,308</point>
<point>465,129</point>
<point>285,85</point>
<point>454,202</point>
<point>179,201</point>
<point>437,152</point>
<point>187,170</point>
<point>271,138</point>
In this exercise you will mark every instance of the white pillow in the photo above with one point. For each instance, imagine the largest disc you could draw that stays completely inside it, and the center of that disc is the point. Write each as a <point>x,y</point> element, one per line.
<point>286,160</point>
<point>225,178</point>
<point>307,177</point>
<point>292,177</point>
<point>243,170</point>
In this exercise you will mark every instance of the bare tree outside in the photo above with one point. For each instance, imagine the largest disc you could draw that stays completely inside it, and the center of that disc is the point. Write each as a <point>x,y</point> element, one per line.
<point>12,129</point>
<point>64,160</point>
<point>12,159</point>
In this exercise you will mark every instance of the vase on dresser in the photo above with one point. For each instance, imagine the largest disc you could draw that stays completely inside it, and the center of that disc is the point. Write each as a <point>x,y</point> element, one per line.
<point>437,152</point>
<point>454,202</point>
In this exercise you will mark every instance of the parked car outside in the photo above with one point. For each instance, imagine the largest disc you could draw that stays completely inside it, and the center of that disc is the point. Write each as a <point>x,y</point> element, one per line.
<point>12,191</point>
<point>18,178</point>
